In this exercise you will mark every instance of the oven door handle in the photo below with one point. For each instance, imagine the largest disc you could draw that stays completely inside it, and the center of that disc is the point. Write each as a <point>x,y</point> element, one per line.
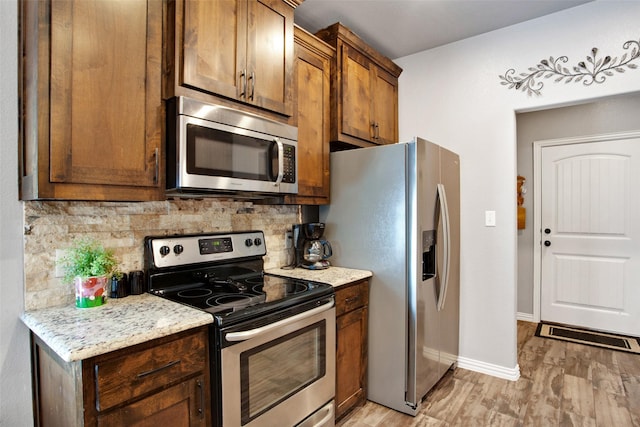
<point>252,333</point>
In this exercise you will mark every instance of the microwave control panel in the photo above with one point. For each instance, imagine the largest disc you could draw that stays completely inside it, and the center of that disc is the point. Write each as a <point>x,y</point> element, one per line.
<point>289,173</point>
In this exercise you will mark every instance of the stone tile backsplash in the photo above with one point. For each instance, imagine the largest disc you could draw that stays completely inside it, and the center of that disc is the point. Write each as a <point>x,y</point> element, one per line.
<point>122,226</point>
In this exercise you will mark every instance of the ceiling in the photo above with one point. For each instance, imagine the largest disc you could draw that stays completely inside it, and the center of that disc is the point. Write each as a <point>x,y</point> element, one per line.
<point>398,28</point>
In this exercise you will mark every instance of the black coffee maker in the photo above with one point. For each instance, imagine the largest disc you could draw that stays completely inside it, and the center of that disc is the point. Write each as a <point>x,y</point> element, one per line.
<point>311,250</point>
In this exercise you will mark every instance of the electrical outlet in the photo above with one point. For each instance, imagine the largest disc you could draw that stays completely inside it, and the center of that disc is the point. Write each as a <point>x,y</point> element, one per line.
<point>288,239</point>
<point>58,270</point>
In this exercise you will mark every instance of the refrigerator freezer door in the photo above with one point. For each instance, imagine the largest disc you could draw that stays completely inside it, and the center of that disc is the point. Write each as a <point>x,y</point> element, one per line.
<point>366,224</point>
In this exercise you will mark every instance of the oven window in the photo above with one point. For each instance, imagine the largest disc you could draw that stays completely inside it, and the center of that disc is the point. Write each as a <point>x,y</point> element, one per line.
<point>278,369</point>
<point>218,153</point>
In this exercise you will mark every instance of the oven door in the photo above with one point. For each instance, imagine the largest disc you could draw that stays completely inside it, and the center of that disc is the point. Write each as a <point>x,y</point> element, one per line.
<point>281,374</point>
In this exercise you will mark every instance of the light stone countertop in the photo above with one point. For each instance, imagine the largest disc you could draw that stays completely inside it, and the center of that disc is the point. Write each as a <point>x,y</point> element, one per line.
<point>79,333</point>
<point>335,276</point>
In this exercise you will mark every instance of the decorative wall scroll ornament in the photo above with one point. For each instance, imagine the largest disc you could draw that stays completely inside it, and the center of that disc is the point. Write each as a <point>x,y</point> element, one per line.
<point>594,69</point>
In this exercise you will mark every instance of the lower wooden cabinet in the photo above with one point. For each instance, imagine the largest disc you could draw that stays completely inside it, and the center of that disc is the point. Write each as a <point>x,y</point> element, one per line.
<point>160,382</point>
<point>352,314</point>
<point>177,406</point>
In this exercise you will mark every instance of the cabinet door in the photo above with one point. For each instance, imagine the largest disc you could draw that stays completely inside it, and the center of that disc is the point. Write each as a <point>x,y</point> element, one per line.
<point>311,116</point>
<point>270,55</point>
<point>214,50</point>
<point>106,108</point>
<point>357,116</point>
<point>385,107</point>
<point>179,406</point>
<point>351,360</point>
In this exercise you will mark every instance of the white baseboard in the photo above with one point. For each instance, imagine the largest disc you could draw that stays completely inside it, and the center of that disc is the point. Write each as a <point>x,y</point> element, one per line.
<point>489,369</point>
<point>525,317</point>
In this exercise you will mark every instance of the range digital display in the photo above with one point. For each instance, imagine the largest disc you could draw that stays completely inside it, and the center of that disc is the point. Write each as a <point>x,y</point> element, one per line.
<point>215,245</point>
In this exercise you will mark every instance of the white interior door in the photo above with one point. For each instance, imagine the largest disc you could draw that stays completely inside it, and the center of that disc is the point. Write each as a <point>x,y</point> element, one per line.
<point>590,234</point>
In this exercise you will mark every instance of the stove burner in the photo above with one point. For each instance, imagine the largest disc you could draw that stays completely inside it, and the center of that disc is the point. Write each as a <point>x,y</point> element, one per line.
<point>195,293</point>
<point>233,300</point>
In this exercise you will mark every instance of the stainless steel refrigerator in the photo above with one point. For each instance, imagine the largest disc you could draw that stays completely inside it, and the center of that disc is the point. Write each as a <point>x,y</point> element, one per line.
<point>395,211</point>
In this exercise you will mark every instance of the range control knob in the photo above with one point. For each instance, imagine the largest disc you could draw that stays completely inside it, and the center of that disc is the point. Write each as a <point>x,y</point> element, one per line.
<point>178,249</point>
<point>257,241</point>
<point>164,250</point>
<point>248,242</point>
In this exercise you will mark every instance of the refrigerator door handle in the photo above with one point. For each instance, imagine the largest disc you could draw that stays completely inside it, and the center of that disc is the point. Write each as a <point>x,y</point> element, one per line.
<point>446,249</point>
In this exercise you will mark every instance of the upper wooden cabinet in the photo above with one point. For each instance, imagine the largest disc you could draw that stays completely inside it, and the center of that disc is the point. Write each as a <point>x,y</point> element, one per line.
<point>241,50</point>
<point>364,92</point>
<point>311,96</point>
<point>91,106</point>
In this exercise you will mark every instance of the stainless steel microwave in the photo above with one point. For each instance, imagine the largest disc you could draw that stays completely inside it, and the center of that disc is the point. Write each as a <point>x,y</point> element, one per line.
<point>213,150</point>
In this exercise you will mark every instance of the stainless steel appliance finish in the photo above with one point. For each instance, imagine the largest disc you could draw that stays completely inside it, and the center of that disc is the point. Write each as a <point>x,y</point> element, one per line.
<point>272,344</point>
<point>395,211</point>
<point>213,150</point>
<point>287,367</point>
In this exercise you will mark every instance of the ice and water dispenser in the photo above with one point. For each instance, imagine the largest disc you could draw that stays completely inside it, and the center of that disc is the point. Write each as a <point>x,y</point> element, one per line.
<point>428,254</point>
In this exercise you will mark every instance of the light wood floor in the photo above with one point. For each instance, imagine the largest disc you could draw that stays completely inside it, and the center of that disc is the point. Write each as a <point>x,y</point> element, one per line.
<point>561,384</point>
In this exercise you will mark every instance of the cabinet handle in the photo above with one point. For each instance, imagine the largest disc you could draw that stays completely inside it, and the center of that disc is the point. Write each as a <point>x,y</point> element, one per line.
<point>201,391</point>
<point>156,370</point>
<point>376,130</point>
<point>156,171</point>
<point>350,300</point>
<point>243,83</point>
<point>253,84</point>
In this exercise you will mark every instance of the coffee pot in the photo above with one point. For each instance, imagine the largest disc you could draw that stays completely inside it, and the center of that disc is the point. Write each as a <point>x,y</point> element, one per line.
<point>312,251</point>
<point>316,250</point>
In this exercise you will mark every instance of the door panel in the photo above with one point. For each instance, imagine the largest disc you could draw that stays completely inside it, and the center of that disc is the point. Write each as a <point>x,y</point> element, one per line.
<point>424,328</point>
<point>105,122</point>
<point>356,90</point>
<point>450,313</point>
<point>590,235</point>
<point>269,34</point>
<point>385,106</point>
<point>214,45</point>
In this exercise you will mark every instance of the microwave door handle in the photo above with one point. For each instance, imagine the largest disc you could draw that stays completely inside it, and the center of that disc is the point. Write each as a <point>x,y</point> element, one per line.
<point>280,162</point>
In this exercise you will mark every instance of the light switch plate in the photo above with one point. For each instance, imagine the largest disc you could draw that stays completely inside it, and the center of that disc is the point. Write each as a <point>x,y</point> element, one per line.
<point>490,218</point>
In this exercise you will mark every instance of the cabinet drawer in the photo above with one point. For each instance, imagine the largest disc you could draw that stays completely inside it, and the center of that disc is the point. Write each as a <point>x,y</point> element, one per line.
<point>351,297</point>
<point>119,379</point>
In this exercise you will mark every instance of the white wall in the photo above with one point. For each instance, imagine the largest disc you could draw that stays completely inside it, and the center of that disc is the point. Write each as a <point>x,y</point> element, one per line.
<point>15,370</point>
<point>452,96</point>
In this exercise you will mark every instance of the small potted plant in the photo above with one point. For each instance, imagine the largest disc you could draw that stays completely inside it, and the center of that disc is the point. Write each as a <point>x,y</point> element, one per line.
<point>90,267</point>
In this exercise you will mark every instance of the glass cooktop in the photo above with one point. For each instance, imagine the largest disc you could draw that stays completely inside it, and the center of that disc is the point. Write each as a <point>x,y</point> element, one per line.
<point>243,295</point>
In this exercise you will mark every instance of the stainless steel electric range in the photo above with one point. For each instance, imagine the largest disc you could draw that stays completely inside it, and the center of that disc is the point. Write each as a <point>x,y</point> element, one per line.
<point>272,342</point>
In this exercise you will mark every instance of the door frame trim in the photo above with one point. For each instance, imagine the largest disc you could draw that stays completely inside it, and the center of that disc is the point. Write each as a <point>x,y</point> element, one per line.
<point>537,199</point>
